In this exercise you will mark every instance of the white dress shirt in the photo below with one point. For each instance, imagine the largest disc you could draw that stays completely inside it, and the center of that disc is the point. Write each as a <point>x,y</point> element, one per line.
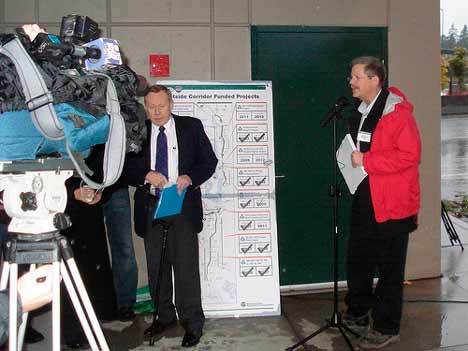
<point>365,109</point>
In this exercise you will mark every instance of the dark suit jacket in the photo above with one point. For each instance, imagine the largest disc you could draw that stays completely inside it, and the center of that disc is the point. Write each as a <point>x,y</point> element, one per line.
<point>196,159</point>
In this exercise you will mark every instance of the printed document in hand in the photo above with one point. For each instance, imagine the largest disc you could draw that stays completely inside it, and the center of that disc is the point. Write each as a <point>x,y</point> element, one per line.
<point>352,176</point>
<point>170,202</point>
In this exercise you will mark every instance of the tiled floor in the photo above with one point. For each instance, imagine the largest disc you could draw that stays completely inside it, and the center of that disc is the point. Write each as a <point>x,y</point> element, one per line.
<point>435,318</point>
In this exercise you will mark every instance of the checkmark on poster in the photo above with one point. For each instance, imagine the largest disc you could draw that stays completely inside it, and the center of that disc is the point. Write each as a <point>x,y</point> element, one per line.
<point>246,273</point>
<point>246,249</point>
<point>242,139</point>
<point>245,204</point>
<point>244,183</point>
<point>257,139</point>
<point>245,226</point>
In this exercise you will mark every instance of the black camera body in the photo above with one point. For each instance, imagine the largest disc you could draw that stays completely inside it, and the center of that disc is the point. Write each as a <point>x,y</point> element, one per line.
<point>78,29</point>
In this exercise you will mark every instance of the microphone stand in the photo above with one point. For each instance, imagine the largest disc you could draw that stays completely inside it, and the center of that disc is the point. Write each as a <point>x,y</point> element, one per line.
<point>335,321</point>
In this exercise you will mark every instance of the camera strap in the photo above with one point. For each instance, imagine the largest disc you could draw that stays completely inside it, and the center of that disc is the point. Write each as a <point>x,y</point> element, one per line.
<point>39,99</point>
<point>114,154</point>
<point>40,105</point>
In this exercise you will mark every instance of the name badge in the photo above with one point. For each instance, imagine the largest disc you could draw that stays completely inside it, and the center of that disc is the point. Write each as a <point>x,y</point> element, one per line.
<point>364,136</point>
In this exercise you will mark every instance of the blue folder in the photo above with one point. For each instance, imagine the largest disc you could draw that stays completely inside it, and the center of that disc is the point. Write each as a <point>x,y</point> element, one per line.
<point>170,202</point>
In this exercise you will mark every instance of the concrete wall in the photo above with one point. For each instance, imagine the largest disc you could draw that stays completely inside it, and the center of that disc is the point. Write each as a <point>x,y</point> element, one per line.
<point>210,39</point>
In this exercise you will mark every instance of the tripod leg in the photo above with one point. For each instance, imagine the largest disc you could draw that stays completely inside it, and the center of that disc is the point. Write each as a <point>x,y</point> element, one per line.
<point>303,341</point>
<point>4,277</point>
<point>10,270</point>
<point>448,229</point>
<point>56,306</point>
<point>22,330</point>
<point>455,236</point>
<point>13,303</point>
<point>78,308</point>
<point>75,274</point>
<point>340,327</point>
<point>349,330</point>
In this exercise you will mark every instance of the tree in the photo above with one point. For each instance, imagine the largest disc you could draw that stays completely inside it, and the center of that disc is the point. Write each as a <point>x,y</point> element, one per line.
<point>457,67</point>
<point>443,41</point>
<point>452,38</point>
<point>444,69</point>
<point>463,37</point>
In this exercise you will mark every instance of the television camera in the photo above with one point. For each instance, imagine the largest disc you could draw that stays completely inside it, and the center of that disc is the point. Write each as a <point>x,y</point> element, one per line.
<point>73,71</point>
<point>60,96</point>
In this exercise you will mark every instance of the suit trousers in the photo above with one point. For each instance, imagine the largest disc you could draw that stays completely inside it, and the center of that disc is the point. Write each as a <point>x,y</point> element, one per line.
<point>182,257</point>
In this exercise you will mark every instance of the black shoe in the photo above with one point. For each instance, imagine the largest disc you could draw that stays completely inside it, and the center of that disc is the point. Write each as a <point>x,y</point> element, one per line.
<point>125,314</point>
<point>31,335</point>
<point>77,343</point>
<point>359,325</point>
<point>157,328</point>
<point>107,315</point>
<point>191,339</point>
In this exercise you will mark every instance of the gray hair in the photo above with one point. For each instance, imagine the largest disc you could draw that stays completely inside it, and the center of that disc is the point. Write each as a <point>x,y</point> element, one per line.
<point>372,67</point>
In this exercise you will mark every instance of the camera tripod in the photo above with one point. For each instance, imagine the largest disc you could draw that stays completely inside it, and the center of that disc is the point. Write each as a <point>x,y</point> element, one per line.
<point>49,248</point>
<point>449,227</point>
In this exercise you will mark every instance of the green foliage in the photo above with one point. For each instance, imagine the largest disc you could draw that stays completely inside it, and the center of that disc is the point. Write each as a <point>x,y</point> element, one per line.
<point>458,207</point>
<point>463,37</point>
<point>444,76</point>
<point>454,39</point>
<point>450,41</point>
<point>457,67</point>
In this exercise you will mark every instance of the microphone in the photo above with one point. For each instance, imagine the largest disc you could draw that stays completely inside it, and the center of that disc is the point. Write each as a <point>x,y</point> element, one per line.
<point>49,46</point>
<point>110,53</point>
<point>337,107</point>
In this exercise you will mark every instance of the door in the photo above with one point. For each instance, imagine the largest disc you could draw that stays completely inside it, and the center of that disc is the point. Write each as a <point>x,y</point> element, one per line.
<point>309,67</point>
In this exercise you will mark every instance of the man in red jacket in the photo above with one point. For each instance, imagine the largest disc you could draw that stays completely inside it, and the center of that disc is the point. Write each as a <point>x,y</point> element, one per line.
<point>385,205</point>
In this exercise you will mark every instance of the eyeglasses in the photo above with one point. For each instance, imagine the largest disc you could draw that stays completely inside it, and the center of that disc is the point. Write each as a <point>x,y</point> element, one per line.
<point>358,78</point>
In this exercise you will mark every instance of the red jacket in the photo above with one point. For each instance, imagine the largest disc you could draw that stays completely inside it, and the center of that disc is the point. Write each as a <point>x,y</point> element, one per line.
<point>393,160</point>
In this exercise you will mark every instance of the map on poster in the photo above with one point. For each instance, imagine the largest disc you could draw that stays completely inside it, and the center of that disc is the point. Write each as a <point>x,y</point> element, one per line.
<point>238,245</point>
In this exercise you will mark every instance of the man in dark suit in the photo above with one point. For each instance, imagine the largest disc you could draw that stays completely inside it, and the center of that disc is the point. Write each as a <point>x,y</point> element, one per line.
<point>177,151</point>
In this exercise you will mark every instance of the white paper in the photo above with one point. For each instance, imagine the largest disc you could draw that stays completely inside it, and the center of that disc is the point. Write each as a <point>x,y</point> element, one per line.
<point>353,176</point>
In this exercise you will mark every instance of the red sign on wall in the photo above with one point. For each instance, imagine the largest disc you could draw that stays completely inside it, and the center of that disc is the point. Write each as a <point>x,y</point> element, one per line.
<point>158,65</point>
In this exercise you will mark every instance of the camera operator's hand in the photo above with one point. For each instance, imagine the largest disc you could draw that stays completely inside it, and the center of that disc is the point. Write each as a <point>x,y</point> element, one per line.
<point>87,195</point>
<point>183,182</point>
<point>32,30</point>
<point>35,288</point>
<point>156,179</point>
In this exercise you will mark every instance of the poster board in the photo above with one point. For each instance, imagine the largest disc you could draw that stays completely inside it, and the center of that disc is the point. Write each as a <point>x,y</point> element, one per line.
<point>238,245</point>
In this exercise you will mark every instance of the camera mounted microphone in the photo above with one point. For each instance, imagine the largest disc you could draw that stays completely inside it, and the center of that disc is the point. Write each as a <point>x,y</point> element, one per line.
<point>50,47</point>
<point>334,112</point>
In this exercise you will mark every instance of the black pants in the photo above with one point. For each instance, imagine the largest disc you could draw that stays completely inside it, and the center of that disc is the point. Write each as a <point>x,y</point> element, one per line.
<point>376,248</point>
<point>182,256</point>
<point>387,256</point>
